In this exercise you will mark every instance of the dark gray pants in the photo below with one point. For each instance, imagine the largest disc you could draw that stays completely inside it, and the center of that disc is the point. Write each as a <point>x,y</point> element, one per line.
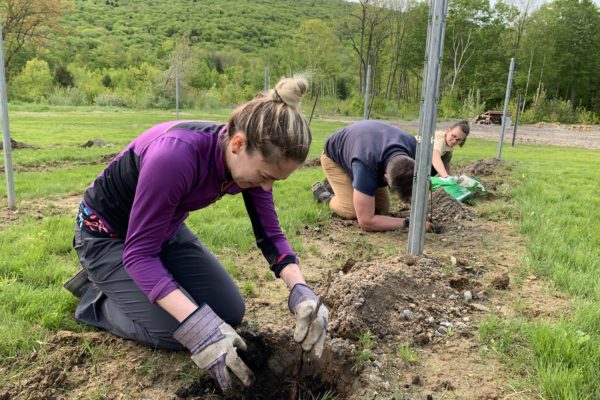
<point>112,301</point>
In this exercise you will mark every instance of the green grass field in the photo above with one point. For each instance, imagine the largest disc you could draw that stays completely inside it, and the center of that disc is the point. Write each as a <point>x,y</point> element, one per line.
<point>555,206</point>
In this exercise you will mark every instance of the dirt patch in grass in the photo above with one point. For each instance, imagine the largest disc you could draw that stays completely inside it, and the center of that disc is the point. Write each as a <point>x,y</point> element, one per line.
<point>423,314</point>
<point>40,208</point>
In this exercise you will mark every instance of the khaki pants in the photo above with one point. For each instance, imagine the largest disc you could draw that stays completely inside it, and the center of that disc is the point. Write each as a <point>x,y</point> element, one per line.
<point>342,202</point>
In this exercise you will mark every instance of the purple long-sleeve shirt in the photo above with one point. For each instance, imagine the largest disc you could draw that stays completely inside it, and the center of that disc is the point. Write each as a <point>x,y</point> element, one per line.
<point>148,190</point>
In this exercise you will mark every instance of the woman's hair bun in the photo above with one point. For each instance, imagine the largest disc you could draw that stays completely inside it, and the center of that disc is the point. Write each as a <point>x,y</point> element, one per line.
<point>290,91</point>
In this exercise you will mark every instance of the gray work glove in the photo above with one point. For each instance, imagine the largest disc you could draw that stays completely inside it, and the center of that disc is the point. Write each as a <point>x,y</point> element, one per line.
<point>311,325</point>
<point>213,345</point>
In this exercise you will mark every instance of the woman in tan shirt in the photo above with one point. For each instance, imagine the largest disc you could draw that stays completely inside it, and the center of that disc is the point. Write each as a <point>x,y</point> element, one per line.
<point>443,146</point>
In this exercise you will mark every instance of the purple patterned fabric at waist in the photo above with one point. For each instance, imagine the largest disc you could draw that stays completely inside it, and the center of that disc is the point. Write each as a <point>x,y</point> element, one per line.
<point>87,219</point>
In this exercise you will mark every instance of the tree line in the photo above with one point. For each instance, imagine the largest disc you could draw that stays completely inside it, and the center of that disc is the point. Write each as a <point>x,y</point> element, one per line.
<point>125,53</point>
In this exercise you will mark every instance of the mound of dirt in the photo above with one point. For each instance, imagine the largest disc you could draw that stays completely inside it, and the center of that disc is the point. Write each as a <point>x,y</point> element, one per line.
<point>484,167</point>
<point>16,145</point>
<point>96,143</point>
<point>400,299</point>
<point>446,209</point>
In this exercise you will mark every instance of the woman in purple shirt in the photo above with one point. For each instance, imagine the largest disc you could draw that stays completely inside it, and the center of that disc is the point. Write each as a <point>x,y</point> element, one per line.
<point>146,276</point>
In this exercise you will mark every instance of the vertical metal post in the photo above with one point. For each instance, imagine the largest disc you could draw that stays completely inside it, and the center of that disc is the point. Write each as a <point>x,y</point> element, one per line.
<point>177,92</point>
<point>427,119</point>
<point>267,83</point>
<point>506,100</point>
<point>367,90</point>
<point>516,120</point>
<point>8,167</point>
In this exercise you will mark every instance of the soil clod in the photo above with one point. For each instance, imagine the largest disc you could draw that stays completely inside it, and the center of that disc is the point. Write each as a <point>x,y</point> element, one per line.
<point>501,281</point>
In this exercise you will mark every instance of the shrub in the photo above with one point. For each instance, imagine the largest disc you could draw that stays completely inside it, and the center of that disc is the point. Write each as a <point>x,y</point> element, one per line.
<point>554,110</point>
<point>586,116</point>
<point>472,105</point>
<point>110,99</point>
<point>206,99</point>
<point>34,83</point>
<point>67,96</point>
<point>449,106</point>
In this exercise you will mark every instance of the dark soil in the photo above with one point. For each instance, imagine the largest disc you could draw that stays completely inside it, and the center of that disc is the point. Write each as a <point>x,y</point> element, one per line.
<point>275,369</point>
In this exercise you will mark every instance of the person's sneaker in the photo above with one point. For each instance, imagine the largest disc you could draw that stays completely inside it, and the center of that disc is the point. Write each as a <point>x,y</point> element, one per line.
<point>77,284</point>
<point>320,193</point>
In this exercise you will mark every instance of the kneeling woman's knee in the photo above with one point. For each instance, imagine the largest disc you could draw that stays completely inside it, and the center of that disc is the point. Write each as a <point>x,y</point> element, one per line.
<point>230,308</point>
<point>233,311</point>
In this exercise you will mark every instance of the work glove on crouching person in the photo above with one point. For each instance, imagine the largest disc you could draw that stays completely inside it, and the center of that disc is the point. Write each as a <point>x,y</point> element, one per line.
<point>213,344</point>
<point>311,324</point>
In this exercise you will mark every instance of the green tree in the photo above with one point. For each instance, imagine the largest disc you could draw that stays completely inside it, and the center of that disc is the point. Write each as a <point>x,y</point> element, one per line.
<point>575,30</point>
<point>34,83</point>
<point>28,23</point>
<point>317,45</point>
<point>63,77</point>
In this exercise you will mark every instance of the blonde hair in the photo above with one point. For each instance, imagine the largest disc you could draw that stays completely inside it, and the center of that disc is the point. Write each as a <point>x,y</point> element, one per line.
<point>273,122</point>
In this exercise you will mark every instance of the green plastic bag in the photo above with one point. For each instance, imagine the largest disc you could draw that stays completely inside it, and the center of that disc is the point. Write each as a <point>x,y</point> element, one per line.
<point>460,188</point>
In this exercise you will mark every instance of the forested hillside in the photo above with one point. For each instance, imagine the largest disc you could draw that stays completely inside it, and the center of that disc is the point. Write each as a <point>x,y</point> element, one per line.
<point>126,52</point>
<point>149,28</point>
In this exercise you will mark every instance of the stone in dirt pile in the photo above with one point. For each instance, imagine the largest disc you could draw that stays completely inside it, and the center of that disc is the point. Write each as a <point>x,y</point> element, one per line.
<point>399,299</point>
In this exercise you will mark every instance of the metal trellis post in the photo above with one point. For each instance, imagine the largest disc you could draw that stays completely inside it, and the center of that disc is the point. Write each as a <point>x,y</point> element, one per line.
<point>506,100</point>
<point>427,119</point>
<point>8,167</point>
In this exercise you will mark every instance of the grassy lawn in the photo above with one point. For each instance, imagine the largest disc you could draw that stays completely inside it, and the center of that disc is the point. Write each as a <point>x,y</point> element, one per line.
<point>555,206</point>
<point>558,205</point>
